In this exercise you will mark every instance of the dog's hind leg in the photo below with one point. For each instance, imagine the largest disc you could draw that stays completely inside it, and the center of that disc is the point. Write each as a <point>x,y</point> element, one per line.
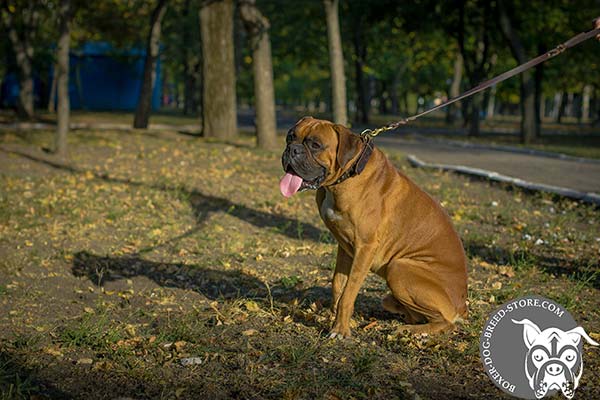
<point>417,289</point>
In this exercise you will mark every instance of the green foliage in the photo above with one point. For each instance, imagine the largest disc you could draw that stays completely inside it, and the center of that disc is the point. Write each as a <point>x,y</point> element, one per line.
<point>93,331</point>
<point>290,281</point>
<point>123,23</point>
<point>410,47</point>
<point>364,361</point>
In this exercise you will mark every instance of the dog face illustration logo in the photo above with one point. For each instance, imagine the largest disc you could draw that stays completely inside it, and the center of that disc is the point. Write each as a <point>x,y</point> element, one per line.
<point>533,360</point>
<point>553,361</point>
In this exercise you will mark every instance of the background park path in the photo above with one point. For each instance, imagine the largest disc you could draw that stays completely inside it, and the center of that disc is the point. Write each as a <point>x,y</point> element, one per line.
<point>579,175</point>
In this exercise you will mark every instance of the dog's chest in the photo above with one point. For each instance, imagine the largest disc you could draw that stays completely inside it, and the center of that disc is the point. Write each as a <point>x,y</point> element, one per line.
<point>327,209</point>
<point>336,221</point>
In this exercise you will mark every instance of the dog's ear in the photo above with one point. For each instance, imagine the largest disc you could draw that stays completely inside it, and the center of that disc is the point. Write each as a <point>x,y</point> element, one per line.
<point>530,331</point>
<point>576,334</point>
<point>349,145</point>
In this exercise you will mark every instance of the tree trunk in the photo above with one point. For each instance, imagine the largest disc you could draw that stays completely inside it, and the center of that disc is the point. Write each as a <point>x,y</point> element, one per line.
<point>336,61</point>
<point>491,103</point>
<point>569,104</point>
<point>63,108</point>
<point>529,123</point>
<point>539,76</point>
<point>188,79</point>
<point>218,70</point>
<point>264,94</point>
<point>476,102</point>
<point>52,96</point>
<point>144,106</point>
<point>465,109</point>
<point>23,50</point>
<point>476,62</point>
<point>529,120</point>
<point>189,85</point>
<point>405,101</point>
<point>585,106</point>
<point>361,81</point>
<point>454,91</point>
<point>556,106</point>
<point>562,107</point>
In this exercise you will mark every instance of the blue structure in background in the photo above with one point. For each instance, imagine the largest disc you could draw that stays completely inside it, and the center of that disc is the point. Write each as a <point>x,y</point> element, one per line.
<point>101,78</point>
<point>9,90</point>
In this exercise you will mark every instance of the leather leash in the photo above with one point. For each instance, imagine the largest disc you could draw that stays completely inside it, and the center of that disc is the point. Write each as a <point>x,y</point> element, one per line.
<point>574,41</point>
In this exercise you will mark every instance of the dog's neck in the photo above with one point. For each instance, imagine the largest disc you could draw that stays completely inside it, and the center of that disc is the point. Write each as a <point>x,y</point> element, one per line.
<point>343,198</point>
<point>359,164</point>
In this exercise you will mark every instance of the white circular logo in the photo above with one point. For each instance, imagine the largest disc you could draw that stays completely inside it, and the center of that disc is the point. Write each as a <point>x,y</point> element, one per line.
<point>531,348</point>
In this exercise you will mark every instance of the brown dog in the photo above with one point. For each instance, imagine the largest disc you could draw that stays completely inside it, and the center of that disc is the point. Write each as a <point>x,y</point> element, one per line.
<point>383,223</point>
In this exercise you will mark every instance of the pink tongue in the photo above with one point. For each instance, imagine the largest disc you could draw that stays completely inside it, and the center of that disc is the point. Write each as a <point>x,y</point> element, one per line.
<point>289,184</point>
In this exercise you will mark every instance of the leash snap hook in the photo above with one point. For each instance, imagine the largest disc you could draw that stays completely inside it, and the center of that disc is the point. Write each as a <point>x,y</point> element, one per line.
<point>367,134</point>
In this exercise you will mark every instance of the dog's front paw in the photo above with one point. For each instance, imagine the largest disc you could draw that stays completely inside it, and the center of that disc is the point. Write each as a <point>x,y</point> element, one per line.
<point>339,332</point>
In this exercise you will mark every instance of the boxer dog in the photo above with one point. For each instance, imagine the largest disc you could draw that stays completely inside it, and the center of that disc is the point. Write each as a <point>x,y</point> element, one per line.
<point>553,360</point>
<point>383,223</point>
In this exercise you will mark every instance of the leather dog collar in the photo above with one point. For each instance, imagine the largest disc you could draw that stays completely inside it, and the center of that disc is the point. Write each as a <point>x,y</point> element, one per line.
<point>360,162</point>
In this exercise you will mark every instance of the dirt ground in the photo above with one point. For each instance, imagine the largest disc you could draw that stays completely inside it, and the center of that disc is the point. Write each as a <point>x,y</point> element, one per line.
<point>167,266</point>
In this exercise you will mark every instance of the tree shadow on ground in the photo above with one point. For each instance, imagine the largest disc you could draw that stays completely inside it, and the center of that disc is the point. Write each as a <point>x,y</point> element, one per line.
<point>586,270</point>
<point>214,284</point>
<point>64,379</point>
<point>18,381</point>
<point>203,205</point>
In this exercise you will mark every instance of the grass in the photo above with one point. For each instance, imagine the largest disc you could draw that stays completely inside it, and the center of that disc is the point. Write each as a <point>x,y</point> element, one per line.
<point>91,331</point>
<point>144,250</point>
<point>15,384</point>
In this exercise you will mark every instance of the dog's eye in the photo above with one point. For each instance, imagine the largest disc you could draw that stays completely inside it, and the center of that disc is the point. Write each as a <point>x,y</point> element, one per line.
<point>538,357</point>
<point>570,357</point>
<point>314,145</point>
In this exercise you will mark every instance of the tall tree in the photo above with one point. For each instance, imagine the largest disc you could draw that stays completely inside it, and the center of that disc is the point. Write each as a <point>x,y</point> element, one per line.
<point>20,21</point>
<point>360,63</point>
<point>529,120</point>
<point>191,59</point>
<point>142,112</point>
<point>454,90</point>
<point>65,15</point>
<point>219,117</point>
<point>336,60</point>
<point>474,21</point>
<point>258,27</point>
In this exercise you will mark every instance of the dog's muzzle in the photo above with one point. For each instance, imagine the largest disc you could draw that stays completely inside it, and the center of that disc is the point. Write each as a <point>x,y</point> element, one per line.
<point>297,160</point>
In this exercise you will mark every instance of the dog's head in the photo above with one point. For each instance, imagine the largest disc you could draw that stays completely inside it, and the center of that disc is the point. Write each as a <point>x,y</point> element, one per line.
<point>316,154</point>
<point>553,360</point>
